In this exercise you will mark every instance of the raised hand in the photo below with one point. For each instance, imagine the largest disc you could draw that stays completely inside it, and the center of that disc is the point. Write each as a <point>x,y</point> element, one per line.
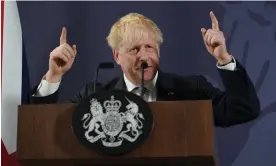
<point>61,59</point>
<point>214,41</point>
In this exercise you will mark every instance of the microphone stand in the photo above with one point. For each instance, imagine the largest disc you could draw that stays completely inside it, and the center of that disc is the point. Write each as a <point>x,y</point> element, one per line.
<point>143,66</point>
<point>95,79</point>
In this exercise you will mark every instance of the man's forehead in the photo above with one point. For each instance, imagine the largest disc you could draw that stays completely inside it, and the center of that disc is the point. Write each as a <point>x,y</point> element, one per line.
<point>131,39</point>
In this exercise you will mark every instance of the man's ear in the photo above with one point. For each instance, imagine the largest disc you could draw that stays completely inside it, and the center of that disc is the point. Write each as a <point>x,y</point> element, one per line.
<point>158,51</point>
<point>116,56</point>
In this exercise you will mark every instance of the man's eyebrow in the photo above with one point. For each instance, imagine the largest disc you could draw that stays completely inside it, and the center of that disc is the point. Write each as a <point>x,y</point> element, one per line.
<point>133,45</point>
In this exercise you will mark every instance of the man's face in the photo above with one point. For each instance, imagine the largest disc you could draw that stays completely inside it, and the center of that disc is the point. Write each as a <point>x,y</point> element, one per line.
<point>137,47</point>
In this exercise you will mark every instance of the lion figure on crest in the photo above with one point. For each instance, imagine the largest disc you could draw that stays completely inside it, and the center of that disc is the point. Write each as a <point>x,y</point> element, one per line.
<point>96,110</point>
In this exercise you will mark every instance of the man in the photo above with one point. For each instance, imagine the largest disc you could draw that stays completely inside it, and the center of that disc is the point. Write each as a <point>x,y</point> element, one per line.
<point>135,38</point>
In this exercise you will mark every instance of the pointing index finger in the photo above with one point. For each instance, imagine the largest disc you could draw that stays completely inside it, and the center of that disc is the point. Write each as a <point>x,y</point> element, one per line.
<point>215,24</point>
<point>63,37</point>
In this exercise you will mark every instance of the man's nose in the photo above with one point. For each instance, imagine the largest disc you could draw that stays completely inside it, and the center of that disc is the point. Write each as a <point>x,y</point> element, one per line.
<point>143,54</point>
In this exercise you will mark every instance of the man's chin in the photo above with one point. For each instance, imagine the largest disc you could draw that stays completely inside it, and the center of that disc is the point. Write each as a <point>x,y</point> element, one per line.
<point>148,77</point>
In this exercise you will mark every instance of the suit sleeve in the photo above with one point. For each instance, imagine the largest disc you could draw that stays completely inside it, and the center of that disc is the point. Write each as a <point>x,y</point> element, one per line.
<point>83,93</point>
<point>53,98</point>
<point>49,99</point>
<point>238,104</point>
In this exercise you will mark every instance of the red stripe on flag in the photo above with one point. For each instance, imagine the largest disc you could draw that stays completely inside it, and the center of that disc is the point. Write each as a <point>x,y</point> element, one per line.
<point>6,159</point>
<point>4,155</point>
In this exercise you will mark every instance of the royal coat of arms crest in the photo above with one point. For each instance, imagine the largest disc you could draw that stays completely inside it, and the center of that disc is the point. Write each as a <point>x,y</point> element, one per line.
<point>111,122</point>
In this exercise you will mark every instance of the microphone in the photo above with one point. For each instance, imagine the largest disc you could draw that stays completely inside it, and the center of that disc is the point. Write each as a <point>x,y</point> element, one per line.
<point>144,65</point>
<point>103,65</point>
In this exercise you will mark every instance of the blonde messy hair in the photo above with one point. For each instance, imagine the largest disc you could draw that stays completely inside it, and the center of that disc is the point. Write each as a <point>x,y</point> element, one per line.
<point>128,24</point>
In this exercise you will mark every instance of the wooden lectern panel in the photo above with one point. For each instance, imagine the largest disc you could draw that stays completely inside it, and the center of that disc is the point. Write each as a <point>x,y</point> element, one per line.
<point>182,134</point>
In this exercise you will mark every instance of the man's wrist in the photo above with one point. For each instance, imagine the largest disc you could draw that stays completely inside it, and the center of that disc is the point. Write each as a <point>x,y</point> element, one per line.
<point>52,78</point>
<point>228,66</point>
<point>225,59</point>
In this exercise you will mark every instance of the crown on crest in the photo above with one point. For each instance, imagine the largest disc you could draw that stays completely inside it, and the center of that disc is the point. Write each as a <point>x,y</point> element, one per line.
<point>112,105</point>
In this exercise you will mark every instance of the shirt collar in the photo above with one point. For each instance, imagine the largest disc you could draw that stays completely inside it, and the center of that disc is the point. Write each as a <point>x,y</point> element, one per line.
<point>130,86</point>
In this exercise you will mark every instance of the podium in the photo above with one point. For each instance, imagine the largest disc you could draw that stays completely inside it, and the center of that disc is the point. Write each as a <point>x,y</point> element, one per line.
<point>182,135</point>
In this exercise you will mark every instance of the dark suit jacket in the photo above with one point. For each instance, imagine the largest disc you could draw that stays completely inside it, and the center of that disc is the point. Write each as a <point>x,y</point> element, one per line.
<point>238,104</point>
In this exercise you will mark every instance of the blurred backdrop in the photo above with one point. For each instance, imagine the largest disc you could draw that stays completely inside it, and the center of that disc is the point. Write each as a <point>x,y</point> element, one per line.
<point>250,29</point>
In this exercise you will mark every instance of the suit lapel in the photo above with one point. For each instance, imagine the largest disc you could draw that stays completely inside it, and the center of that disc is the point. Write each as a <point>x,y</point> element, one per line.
<point>165,88</point>
<point>120,85</point>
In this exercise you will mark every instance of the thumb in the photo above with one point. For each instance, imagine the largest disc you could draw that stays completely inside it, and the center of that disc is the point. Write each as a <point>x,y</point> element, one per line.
<point>75,49</point>
<point>203,32</point>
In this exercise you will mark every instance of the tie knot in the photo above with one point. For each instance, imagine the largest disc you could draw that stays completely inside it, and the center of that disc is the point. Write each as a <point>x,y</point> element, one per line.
<point>141,91</point>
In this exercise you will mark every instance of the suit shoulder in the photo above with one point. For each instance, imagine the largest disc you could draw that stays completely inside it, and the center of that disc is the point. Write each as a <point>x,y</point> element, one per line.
<point>185,78</point>
<point>188,81</point>
<point>104,86</point>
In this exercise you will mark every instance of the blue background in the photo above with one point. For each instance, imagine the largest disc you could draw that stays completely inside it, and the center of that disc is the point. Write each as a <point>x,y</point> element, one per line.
<point>249,27</point>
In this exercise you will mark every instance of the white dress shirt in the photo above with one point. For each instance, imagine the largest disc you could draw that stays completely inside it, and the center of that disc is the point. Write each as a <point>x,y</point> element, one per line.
<point>150,94</point>
<point>45,88</point>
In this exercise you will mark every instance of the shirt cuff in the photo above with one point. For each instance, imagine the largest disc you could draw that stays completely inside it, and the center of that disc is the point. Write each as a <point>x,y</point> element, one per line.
<point>230,66</point>
<point>45,88</point>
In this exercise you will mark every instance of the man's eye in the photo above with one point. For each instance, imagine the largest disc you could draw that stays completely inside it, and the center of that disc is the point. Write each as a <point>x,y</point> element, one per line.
<point>149,48</point>
<point>133,50</point>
